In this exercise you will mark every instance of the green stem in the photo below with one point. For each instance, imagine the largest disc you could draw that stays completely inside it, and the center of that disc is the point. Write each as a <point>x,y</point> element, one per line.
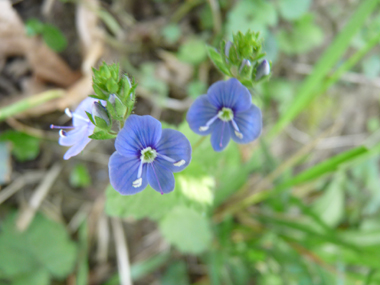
<point>184,9</point>
<point>330,57</point>
<point>198,143</point>
<point>350,63</point>
<point>29,103</point>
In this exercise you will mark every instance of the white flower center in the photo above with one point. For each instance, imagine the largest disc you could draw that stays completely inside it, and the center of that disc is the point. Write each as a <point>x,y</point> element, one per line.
<point>148,155</point>
<point>226,114</point>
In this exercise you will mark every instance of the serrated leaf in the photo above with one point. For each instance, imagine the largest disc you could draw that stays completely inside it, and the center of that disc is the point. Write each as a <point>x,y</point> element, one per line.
<point>45,245</point>
<point>187,230</point>
<point>25,147</point>
<point>102,135</point>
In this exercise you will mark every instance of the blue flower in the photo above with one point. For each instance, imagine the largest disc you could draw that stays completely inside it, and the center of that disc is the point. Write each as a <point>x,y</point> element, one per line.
<point>82,127</point>
<point>225,112</point>
<point>146,154</point>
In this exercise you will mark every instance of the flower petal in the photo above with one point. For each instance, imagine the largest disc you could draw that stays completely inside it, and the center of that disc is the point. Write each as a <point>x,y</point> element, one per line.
<point>138,133</point>
<point>160,178</point>
<point>79,145</point>
<point>230,94</point>
<point>72,137</point>
<point>123,172</point>
<point>80,117</point>
<point>220,135</point>
<point>174,145</point>
<point>249,123</point>
<point>200,112</point>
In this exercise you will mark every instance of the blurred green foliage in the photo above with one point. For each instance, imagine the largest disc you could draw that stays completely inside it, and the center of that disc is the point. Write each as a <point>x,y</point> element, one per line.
<point>24,147</point>
<point>79,176</point>
<point>44,251</point>
<point>317,219</point>
<point>52,36</point>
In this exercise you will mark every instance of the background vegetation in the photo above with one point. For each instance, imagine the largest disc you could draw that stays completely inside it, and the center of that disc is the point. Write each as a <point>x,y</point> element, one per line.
<point>300,205</point>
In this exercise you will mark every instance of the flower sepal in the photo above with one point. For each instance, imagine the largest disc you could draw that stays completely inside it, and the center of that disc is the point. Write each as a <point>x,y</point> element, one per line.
<point>218,60</point>
<point>100,134</point>
<point>116,108</point>
<point>100,94</point>
<point>262,71</point>
<point>128,93</point>
<point>100,116</point>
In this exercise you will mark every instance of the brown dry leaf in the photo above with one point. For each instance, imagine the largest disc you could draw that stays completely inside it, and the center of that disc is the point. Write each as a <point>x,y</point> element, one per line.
<point>90,34</point>
<point>45,64</point>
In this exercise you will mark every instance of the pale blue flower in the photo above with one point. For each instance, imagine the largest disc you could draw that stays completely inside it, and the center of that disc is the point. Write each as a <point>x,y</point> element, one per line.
<point>82,127</point>
<point>226,112</point>
<point>146,154</point>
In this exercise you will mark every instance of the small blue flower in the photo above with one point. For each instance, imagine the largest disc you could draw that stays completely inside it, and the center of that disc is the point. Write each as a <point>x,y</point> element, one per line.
<point>225,112</point>
<point>146,154</point>
<point>83,128</point>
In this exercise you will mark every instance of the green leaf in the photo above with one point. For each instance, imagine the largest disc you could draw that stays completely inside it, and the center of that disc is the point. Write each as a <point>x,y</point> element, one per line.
<point>304,36</point>
<point>187,230</point>
<point>25,147</point>
<point>145,267</point>
<point>147,203</point>
<point>324,167</point>
<point>54,38</point>
<point>79,176</point>
<point>193,51</point>
<point>83,266</point>
<point>254,15</point>
<point>33,27</point>
<point>193,188</point>
<point>293,9</point>
<point>44,246</point>
<point>149,80</point>
<point>39,277</point>
<point>330,206</point>
<point>171,33</point>
<point>176,274</point>
<point>196,88</point>
<point>102,135</point>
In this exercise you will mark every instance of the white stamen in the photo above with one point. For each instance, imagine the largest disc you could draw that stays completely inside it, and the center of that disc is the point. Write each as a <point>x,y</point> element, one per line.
<point>239,135</point>
<point>208,124</point>
<point>179,163</point>
<point>137,183</point>
<point>68,113</point>
<point>80,117</point>
<point>62,133</point>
